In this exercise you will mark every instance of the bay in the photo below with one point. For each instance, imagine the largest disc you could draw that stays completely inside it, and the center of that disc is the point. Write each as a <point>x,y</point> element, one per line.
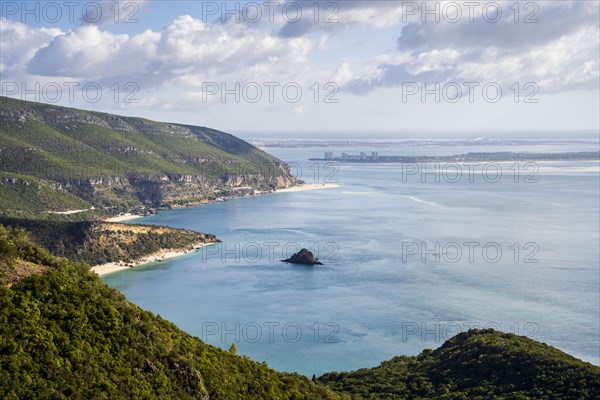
<point>410,260</point>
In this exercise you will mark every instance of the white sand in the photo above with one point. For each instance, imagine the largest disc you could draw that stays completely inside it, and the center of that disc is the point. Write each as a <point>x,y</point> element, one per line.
<point>122,217</point>
<point>308,186</point>
<point>109,268</point>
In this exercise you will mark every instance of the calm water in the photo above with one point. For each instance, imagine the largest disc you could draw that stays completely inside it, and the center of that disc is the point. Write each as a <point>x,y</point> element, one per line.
<point>407,263</point>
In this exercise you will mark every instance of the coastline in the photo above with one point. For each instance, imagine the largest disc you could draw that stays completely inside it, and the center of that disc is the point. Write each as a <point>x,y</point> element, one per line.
<point>123,217</point>
<point>307,186</point>
<point>162,255</point>
<point>116,266</point>
<point>292,189</point>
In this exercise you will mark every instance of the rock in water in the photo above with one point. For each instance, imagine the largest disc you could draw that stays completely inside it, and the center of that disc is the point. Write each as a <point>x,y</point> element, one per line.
<point>304,256</point>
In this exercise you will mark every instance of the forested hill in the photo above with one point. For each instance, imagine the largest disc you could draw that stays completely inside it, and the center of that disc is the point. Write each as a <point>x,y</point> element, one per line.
<point>478,364</point>
<point>58,159</point>
<point>64,334</point>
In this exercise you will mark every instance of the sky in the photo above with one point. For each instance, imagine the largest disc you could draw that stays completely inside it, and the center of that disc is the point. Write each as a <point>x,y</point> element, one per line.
<point>276,68</point>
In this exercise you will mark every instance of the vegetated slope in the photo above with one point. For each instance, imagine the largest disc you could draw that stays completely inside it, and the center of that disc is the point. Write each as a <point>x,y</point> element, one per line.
<point>97,242</point>
<point>54,157</point>
<point>478,364</point>
<point>65,334</point>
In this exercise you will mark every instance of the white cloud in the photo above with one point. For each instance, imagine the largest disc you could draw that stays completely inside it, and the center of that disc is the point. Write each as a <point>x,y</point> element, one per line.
<point>171,64</point>
<point>186,49</point>
<point>19,43</point>
<point>559,53</point>
<point>85,53</point>
<point>337,16</point>
<point>433,61</point>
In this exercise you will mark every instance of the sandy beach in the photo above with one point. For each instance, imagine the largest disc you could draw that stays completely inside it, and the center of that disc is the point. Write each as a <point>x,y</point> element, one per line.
<point>309,186</point>
<point>123,217</point>
<point>109,268</point>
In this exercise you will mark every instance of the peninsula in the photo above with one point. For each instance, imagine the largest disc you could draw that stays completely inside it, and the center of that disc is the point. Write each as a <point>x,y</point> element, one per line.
<point>507,156</point>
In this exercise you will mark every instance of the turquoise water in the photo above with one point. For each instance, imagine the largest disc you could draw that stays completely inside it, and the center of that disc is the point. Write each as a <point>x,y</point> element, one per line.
<point>393,281</point>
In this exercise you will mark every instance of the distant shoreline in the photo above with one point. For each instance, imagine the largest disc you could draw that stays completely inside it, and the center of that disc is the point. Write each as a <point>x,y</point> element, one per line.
<point>474,157</point>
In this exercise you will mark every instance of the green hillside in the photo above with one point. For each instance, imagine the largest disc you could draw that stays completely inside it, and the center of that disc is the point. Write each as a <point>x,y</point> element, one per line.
<point>478,364</point>
<point>65,334</point>
<point>56,158</point>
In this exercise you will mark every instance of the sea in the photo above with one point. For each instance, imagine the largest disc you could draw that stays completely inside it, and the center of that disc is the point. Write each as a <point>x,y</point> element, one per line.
<point>413,254</point>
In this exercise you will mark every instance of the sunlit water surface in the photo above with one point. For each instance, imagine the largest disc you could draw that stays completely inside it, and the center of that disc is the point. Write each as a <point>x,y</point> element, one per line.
<point>407,263</point>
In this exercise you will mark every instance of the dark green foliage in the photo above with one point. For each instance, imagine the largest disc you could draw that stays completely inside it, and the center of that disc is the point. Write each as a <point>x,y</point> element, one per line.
<point>62,238</point>
<point>478,364</point>
<point>65,334</point>
<point>21,257</point>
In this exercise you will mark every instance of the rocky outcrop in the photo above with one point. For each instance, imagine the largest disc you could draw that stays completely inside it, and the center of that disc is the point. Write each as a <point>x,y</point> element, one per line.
<point>161,190</point>
<point>304,256</point>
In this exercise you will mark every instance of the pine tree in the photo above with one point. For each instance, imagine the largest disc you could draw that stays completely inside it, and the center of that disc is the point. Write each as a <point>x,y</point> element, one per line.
<point>233,348</point>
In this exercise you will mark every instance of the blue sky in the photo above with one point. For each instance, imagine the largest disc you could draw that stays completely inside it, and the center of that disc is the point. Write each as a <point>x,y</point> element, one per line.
<point>360,66</point>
